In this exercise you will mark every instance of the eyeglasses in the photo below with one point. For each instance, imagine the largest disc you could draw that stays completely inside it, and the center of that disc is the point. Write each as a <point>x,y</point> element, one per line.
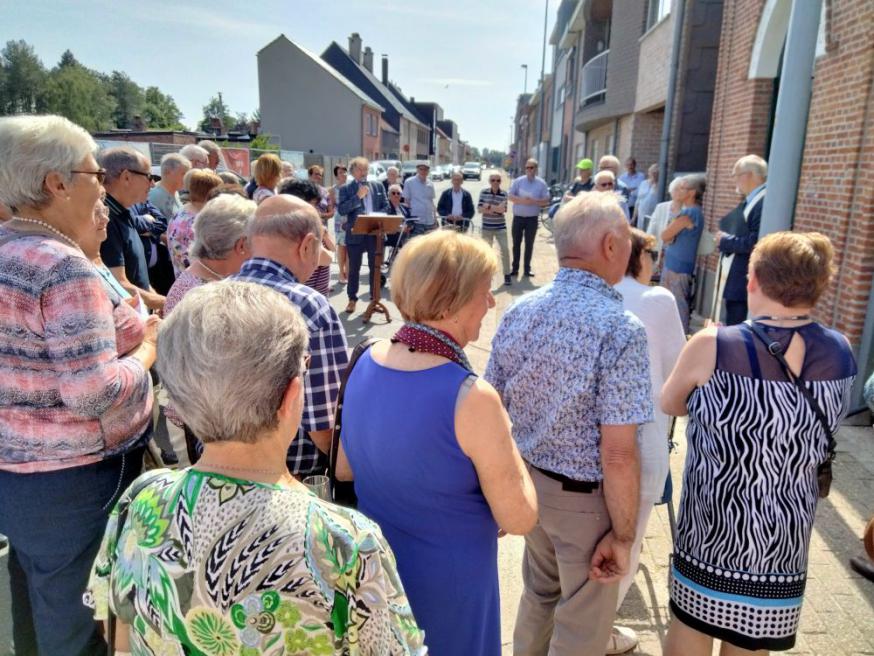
<point>605,185</point>
<point>100,173</point>
<point>143,173</point>
<point>394,193</point>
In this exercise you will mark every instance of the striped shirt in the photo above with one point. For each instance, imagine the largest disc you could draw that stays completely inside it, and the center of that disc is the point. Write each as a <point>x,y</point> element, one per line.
<point>328,356</point>
<point>492,220</point>
<point>69,396</point>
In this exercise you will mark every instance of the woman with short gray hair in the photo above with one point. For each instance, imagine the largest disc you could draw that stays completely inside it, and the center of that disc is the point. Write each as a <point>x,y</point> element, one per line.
<point>242,558</point>
<point>75,391</point>
<point>220,246</point>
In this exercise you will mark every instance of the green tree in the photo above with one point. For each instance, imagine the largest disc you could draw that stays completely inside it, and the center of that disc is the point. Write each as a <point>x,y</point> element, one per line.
<point>217,108</point>
<point>23,79</point>
<point>262,142</point>
<point>161,111</point>
<point>78,93</point>
<point>129,98</point>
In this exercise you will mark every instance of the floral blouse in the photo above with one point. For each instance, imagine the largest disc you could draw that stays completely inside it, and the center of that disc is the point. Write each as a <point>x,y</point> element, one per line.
<point>207,564</point>
<point>180,235</point>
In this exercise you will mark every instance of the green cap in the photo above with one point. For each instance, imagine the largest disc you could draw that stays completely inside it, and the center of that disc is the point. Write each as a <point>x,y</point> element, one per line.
<point>585,163</point>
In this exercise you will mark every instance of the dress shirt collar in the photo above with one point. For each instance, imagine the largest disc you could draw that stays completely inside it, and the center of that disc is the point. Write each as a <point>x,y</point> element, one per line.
<point>752,194</point>
<point>255,265</point>
<point>568,276</point>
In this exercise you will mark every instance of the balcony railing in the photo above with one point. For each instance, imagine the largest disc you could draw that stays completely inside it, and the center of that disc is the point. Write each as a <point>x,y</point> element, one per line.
<point>594,79</point>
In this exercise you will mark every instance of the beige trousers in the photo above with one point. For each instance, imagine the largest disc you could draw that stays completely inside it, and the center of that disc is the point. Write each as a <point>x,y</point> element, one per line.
<point>562,612</point>
<point>500,236</point>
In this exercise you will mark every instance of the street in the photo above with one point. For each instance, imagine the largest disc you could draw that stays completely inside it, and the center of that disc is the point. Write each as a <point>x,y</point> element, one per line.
<point>838,603</point>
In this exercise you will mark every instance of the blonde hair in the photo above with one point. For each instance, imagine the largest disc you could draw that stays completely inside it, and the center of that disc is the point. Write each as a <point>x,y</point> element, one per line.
<point>199,182</point>
<point>437,274</point>
<point>793,268</point>
<point>268,169</point>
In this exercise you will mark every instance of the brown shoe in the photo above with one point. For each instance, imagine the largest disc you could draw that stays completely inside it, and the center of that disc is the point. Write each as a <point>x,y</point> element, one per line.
<point>350,306</point>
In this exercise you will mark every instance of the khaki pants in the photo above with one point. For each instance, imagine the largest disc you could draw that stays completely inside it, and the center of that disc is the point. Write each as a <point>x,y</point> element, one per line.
<point>490,236</point>
<point>561,611</point>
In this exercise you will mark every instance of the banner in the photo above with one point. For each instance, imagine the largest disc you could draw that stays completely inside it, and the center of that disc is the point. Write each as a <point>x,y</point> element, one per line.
<point>237,160</point>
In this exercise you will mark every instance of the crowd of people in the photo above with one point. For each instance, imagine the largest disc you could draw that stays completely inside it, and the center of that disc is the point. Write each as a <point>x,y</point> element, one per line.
<point>563,440</point>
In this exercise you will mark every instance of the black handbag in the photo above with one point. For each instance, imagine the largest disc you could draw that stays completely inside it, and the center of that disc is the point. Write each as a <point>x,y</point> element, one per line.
<point>343,492</point>
<point>824,470</point>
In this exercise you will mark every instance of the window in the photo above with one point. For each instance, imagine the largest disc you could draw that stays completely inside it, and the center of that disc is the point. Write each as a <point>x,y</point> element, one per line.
<point>656,11</point>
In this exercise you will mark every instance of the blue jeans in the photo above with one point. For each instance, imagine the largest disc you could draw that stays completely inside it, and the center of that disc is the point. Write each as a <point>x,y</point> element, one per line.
<point>356,253</point>
<point>55,522</point>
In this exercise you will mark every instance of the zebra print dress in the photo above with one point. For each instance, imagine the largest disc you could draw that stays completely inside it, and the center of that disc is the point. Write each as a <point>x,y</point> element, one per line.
<point>749,486</point>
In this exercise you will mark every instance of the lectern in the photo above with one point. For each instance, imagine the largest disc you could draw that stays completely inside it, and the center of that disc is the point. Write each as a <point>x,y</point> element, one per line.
<point>377,225</point>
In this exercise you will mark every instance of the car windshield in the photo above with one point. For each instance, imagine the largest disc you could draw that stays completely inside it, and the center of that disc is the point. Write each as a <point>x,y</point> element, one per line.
<point>471,163</point>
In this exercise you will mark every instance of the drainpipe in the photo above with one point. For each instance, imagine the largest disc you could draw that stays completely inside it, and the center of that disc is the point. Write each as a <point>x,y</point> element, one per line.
<point>665,143</point>
<point>790,120</point>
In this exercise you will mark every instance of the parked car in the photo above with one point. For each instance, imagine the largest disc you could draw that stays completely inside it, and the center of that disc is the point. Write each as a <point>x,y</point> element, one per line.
<point>408,169</point>
<point>438,173</point>
<point>472,170</point>
<point>376,173</point>
<point>385,163</point>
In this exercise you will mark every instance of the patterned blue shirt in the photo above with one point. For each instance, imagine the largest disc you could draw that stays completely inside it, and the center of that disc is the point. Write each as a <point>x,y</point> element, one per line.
<point>328,356</point>
<point>566,360</point>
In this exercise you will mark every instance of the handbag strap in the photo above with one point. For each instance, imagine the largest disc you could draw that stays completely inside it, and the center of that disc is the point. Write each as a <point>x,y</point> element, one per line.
<point>357,352</point>
<point>776,350</point>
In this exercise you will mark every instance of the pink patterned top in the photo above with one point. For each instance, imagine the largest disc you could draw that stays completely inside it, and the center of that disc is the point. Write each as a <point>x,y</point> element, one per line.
<point>180,235</point>
<point>68,394</point>
<point>185,282</point>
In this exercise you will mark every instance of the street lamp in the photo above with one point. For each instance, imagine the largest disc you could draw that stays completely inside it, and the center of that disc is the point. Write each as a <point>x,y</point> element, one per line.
<point>525,86</point>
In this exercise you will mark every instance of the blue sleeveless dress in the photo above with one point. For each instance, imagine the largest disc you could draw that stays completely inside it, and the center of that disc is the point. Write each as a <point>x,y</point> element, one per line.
<point>749,486</point>
<point>413,479</point>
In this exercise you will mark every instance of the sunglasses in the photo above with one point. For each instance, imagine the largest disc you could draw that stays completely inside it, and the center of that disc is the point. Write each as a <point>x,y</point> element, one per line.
<point>153,178</point>
<point>530,168</point>
<point>100,173</point>
<point>394,193</point>
<point>606,185</point>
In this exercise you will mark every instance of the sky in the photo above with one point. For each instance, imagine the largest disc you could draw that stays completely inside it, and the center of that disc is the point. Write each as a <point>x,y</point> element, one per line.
<point>466,55</point>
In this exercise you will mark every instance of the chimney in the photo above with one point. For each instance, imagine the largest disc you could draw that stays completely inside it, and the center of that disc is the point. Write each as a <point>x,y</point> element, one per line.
<point>385,70</point>
<point>368,59</point>
<point>355,47</point>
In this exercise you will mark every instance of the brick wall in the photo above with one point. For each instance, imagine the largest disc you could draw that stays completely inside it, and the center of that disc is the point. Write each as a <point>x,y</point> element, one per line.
<point>646,138</point>
<point>655,62</point>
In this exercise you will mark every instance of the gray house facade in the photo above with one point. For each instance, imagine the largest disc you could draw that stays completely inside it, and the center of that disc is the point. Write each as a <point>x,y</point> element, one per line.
<point>311,107</point>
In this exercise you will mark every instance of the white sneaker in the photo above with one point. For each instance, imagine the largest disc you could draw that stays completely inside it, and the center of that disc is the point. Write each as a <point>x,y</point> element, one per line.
<point>622,640</point>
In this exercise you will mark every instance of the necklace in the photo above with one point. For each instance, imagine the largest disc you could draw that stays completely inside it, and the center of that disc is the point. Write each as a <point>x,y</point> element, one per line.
<point>425,339</point>
<point>50,228</point>
<point>217,275</point>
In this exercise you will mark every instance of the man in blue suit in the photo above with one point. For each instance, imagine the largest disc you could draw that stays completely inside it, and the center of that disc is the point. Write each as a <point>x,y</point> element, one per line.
<point>360,197</point>
<point>736,242</point>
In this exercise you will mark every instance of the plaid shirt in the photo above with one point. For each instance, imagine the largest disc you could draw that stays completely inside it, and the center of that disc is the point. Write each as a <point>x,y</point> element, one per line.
<point>328,357</point>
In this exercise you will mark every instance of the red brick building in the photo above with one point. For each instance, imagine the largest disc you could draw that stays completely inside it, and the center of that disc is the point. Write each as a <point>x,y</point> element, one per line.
<point>836,187</point>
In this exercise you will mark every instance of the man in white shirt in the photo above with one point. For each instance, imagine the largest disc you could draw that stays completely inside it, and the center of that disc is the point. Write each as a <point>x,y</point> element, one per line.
<point>419,196</point>
<point>455,206</point>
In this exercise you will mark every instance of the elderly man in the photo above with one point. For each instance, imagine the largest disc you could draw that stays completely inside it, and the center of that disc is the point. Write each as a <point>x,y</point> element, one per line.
<point>529,195</point>
<point>584,181</point>
<point>632,179</point>
<point>493,205</point>
<point>215,159</point>
<point>165,195</point>
<point>419,196</point>
<point>572,370</point>
<point>285,238</point>
<point>391,177</point>
<point>737,238</point>
<point>606,181</point>
<point>455,206</point>
<point>128,182</point>
<point>198,156</point>
<point>357,197</point>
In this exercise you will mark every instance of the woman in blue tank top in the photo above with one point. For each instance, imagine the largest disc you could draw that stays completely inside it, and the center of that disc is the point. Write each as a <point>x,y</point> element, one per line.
<point>430,448</point>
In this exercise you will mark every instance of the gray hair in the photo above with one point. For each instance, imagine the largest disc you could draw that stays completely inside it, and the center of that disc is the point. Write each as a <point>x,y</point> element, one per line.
<point>226,355</point>
<point>676,182</point>
<point>293,225</point>
<point>212,148</point>
<point>582,223</point>
<point>118,160</point>
<point>33,147</point>
<point>751,164</point>
<point>220,225</point>
<point>193,153</point>
<point>392,168</point>
<point>696,182</point>
<point>172,162</point>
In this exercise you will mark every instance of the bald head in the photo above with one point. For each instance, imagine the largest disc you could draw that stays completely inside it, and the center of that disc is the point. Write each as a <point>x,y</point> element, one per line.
<point>285,217</point>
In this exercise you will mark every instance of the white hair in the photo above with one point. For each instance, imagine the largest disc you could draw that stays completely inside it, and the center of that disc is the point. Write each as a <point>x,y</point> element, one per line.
<point>172,162</point>
<point>751,164</point>
<point>392,168</point>
<point>396,187</point>
<point>581,224</point>
<point>226,355</point>
<point>676,182</point>
<point>606,173</point>
<point>194,153</point>
<point>118,160</point>
<point>220,225</point>
<point>34,146</point>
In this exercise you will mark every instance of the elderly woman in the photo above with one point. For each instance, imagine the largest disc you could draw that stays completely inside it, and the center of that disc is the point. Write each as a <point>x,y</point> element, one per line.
<point>430,448</point>
<point>681,237</point>
<point>234,556</point>
<point>220,246</point>
<point>325,206</point>
<point>180,232</point>
<point>657,310</point>
<point>757,448</point>
<point>268,172</point>
<point>75,392</point>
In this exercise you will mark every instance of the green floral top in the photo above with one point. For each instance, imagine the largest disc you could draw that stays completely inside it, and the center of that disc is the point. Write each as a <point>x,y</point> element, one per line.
<point>207,564</point>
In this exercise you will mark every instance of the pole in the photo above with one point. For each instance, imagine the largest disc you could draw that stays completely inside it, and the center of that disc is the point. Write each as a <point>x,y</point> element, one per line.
<point>542,78</point>
<point>790,119</point>
<point>665,143</point>
<point>525,85</point>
